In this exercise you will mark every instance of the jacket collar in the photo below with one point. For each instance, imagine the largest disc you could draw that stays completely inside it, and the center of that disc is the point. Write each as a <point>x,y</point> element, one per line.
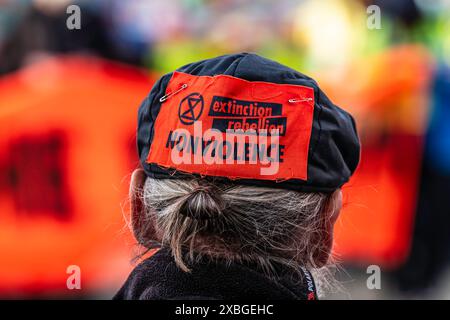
<point>158,277</point>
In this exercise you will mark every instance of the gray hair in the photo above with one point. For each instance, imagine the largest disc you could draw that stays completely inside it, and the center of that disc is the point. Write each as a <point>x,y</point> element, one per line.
<point>233,222</point>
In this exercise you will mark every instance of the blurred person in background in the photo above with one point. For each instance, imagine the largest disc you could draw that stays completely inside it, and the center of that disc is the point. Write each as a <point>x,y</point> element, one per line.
<point>40,31</point>
<point>429,256</point>
<point>227,231</point>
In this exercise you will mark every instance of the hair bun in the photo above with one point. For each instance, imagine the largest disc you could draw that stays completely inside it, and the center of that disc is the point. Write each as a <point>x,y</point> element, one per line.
<point>203,202</point>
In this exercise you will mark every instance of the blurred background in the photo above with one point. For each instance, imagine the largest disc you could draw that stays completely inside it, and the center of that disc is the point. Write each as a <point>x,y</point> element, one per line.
<point>68,104</point>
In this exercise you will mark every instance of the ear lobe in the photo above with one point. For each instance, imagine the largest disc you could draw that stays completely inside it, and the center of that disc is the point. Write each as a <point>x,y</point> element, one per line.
<point>337,201</point>
<point>136,204</point>
<point>331,214</point>
<point>325,240</point>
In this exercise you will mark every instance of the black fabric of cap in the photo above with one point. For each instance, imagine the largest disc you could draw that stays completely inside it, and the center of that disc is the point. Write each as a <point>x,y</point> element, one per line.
<point>334,146</point>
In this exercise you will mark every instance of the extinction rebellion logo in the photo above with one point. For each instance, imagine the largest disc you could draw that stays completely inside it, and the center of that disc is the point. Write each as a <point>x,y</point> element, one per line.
<point>191,108</point>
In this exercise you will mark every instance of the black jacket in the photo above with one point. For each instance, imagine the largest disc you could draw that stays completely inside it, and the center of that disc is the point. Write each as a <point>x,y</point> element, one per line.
<point>158,278</point>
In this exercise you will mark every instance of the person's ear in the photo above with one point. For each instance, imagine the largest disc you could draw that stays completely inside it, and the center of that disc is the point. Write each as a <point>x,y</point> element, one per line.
<point>137,214</point>
<point>335,207</point>
<point>330,215</point>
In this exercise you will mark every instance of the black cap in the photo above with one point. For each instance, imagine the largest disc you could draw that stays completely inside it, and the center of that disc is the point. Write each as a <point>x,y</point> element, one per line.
<point>333,148</point>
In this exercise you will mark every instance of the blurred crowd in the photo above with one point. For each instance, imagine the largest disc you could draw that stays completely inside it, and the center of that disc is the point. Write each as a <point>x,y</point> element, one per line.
<point>163,34</point>
<point>323,38</point>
